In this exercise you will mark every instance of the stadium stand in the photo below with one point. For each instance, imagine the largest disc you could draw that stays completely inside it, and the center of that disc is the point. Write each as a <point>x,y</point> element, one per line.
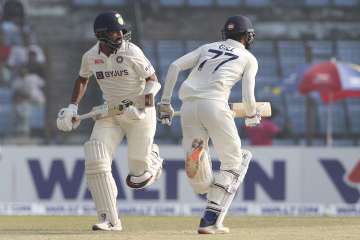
<point>284,42</point>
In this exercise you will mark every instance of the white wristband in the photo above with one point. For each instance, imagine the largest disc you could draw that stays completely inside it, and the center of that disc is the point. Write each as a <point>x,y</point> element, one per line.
<point>73,107</point>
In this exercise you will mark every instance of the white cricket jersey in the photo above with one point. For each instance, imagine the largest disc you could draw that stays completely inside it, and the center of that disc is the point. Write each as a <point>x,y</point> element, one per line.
<point>216,67</point>
<point>121,75</point>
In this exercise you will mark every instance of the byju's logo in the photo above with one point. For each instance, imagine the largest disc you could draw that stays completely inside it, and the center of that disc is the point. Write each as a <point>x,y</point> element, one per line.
<point>344,181</point>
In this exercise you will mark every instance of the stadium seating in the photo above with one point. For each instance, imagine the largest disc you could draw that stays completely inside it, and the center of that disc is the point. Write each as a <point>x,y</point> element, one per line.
<point>5,119</point>
<point>338,123</point>
<point>348,51</point>
<point>279,56</point>
<point>258,3</point>
<point>228,3</point>
<point>37,120</point>
<point>354,117</point>
<point>346,3</point>
<point>113,2</point>
<point>200,3</point>
<point>314,3</point>
<point>5,96</point>
<point>172,3</point>
<point>86,2</point>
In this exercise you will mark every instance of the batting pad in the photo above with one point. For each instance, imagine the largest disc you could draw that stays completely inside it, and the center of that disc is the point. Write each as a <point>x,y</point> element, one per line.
<point>225,186</point>
<point>100,181</point>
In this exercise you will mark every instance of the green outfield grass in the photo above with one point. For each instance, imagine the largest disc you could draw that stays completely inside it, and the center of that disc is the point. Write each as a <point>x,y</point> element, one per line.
<point>173,228</point>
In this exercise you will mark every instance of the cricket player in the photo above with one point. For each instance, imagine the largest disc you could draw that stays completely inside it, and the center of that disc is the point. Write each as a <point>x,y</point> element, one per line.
<point>123,74</point>
<point>205,113</point>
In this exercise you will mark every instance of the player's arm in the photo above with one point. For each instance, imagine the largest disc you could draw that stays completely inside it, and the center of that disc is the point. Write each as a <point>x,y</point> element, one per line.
<point>185,62</point>
<point>79,89</point>
<point>144,69</point>
<point>165,110</point>
<point>248,92</point>
<point>67,115</point>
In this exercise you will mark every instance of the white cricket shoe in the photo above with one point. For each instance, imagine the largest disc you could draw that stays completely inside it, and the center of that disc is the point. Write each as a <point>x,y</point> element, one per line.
<point>106,226</point>
<point>209,225</point>
<point>213,229</point>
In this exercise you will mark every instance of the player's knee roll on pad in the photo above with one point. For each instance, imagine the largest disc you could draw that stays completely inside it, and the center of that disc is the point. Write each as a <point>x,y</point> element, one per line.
<point>222,193</point>
<point>151,174</point>
<point>101,182</point>
<point>198,167</point>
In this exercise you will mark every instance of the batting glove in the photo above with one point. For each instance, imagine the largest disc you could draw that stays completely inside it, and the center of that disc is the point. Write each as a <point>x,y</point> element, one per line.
<point>66,120</point>
<point>253,121</point>
<point>165,113</point>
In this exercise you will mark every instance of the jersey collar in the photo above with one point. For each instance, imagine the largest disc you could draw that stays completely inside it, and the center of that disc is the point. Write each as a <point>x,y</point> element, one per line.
<point>234,43</point>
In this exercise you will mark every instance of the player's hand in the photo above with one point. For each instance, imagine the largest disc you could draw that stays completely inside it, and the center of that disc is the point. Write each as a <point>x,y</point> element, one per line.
<point>253,121</point>
<point>165,113</point>
<point>133,113</point>
<point>67,119</point>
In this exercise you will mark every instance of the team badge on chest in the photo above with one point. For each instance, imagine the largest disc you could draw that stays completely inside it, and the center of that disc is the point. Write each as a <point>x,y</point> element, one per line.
<point>119,59</point>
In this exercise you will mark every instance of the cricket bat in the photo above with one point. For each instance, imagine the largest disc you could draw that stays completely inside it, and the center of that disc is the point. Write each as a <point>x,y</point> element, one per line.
<point>264,108</point>
<point>105,110</point>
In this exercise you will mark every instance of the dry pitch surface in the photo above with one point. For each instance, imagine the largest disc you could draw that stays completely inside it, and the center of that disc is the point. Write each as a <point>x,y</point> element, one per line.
<point>173,228</point>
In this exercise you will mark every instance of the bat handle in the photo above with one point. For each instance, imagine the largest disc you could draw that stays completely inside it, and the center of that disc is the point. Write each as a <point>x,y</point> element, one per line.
<point>177,114</point>
<point>85,116</point>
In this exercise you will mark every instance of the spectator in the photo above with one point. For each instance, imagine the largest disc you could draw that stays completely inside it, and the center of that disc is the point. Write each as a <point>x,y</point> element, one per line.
<point>14,22</point>
<point>4,54</point>
<point>28,53</point>
<point>263,134</point>
<point>22,113</point>
<point>27,88</point>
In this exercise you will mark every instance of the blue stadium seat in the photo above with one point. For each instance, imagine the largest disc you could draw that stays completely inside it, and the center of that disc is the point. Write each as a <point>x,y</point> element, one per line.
<point>321,50</point>
<point>346,3</point>
<point>168,51</point>
<point>292,55</point>
<point>343,142</point>
<point>296,112</point>
<point>258,3</point>
<point>86,2</point>
<point>263,48</point>
<point>37,117</point>
<point>149,49</point>
<point>5,119</point>
<point>200,3</point>
<point>192,45</point>
<point>172,3</point>
<point>5,96</point>
<point>283,142</point>
<point>113,2</point>
<point>267,67</point>
<point>338,118</point>
<point>348,51</point>
<point>228,3</point>
<point>313,3</point>
<point>354,114</point>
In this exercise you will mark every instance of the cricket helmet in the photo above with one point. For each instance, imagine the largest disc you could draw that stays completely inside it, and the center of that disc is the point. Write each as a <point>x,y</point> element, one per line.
<point>237,26</point>
<point>107,22</point>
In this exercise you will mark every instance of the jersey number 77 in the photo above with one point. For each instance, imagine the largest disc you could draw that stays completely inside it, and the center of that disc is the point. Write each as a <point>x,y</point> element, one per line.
<point>217,54</point>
